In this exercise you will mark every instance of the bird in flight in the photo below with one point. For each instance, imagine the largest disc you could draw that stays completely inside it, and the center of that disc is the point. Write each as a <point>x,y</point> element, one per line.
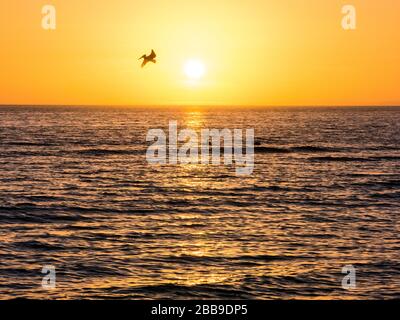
<point>149,58</point>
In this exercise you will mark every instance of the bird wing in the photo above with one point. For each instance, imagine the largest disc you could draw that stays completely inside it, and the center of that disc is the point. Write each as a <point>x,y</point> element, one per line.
<point>152,55</point>
<point>144,63</point>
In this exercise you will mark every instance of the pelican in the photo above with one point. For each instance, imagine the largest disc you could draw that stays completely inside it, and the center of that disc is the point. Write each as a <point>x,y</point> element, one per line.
<point>149,58</point>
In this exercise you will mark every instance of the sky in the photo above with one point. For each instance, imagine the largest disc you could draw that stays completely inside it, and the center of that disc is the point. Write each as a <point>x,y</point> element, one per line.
<point>253,52</point>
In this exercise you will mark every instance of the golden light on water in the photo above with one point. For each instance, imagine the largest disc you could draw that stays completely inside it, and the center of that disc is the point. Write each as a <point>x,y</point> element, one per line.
<point>81,195</point>
<point>194,119</point>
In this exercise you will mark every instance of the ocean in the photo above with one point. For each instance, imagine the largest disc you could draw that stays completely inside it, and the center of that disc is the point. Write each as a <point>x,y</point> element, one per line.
<point>77,193</point>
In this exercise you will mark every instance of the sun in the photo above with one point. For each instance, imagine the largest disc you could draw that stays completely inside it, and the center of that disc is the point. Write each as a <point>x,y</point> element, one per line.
<point>194,69</point>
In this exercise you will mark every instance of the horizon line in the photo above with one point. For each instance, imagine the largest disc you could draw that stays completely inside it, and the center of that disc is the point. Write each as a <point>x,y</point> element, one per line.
<point>202,106</point>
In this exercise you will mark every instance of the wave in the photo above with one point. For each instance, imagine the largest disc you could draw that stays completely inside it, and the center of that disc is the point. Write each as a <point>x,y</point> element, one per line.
<point>386,158</point>
<point>386,195</point>
<point>315,149</point>
<point>305,149</point>
<point>62,153</point>
<point>241,260</point>
<point>29,144</point>
<point>211,291</point>
<point>38,245</point>
<point>323,149</point>
<point>39,153</point>
<point>355,159</point>
<point>271,150</point>
<point>105,152</point>
<point>36,215</point>
<point>340,159</point>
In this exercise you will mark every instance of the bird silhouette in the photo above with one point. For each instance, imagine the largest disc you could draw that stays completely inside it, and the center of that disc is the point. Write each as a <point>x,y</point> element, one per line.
<point>149,58</point>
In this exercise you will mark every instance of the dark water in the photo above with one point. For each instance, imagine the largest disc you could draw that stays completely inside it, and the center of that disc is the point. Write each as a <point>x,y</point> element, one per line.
<point>76,192</point>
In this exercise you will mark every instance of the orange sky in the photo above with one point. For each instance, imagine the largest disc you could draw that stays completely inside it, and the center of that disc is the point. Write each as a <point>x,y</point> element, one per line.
<point>256,52</point>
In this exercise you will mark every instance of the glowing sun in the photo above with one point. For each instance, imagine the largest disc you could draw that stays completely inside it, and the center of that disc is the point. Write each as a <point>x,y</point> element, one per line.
<point>194,69</point>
